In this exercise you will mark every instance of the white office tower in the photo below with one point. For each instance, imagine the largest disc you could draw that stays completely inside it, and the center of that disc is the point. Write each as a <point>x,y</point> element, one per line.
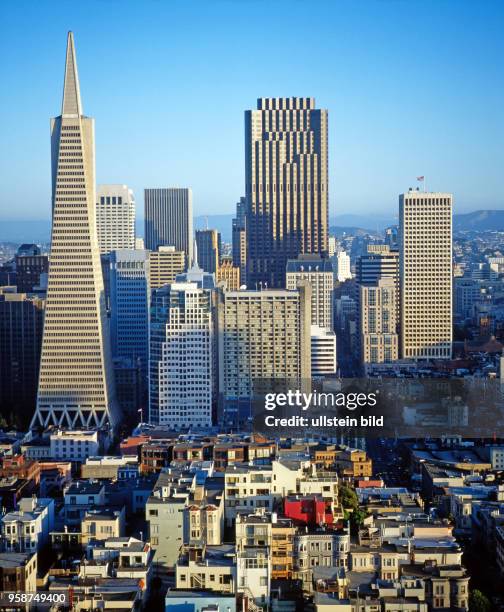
<point>319,273</point>
<point>115,218</point>
<point>323,352</point>
<point>425,245</point>
<point>333,243</point>
<point>341,265</point>
<point>182,356</point>
<point>76,379</point>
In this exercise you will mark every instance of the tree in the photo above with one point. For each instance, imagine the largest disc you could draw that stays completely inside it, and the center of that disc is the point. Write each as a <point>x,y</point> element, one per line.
<point>479,602</point>
<point>348,498</point>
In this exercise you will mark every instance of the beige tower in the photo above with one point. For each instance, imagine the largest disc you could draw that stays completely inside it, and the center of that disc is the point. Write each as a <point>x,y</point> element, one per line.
<point>261,335</point>
<point>75,381</point>
<point>425,239</point>
<point>286,175</point>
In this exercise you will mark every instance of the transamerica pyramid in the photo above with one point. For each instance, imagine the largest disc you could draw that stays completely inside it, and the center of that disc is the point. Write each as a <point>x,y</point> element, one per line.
<point>76,387</point>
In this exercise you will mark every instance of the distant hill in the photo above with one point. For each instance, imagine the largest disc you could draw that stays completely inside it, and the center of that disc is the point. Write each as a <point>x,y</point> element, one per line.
<point>30,230</point>
<point>480,220</point>
<point>371,223</point>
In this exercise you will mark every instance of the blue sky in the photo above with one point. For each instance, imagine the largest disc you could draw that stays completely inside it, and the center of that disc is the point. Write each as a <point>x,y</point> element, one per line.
<point>412,87</point>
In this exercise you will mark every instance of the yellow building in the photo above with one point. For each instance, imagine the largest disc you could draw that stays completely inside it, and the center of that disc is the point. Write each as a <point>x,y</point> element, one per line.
<point>164,265</point>
<point>229,274</point>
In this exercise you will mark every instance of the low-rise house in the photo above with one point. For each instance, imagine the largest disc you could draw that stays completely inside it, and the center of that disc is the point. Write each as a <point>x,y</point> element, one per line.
<point>18,571</point>
<point>253,573</point>
<point>108,467</point>
<point>102,524</point>
<point>199,601</point>
<point>28,529</point>
<point>20,467</point>
<point>164,514</point>
<point>54,477</point>
<point>327,548</point>
<point>207,567</point>
<point>75,446</point>
<point>79,497</point>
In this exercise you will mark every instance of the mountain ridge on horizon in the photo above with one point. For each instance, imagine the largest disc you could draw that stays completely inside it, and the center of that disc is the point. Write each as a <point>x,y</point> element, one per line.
<point>38,230</point>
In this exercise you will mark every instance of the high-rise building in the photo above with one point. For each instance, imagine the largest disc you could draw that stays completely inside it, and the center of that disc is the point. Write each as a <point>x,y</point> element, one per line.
<point>261,335</point>
<point>182,356</point>
<point>425,239</point>
<point>164,265</point>
<point>129,305</point>
<point>380,262</point>
<point>130,389</point>
<point>323,352</point>
<point>287,190</point>
<point>209,246</point>
<point>76,386</point>
<point>21,323</point>
<point>229,273</point>
<point>341,266</point>
<point>30,265</point>
<point>378,321</point>
<point>333,244</point>
<point>169,220</point>
<point>319,273</point>
<point>240,239</point>
<point>115,217</point>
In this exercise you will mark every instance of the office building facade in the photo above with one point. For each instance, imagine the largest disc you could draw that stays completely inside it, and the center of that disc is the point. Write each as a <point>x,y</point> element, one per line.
<point>129,305</point>
<point>169,220</point>
<point>164,265</point>
<point>229,274</point>
<point>323,352</point>
<point>425,239</point>
<point>115,218</point>
<point>286,180</point>
<point>21,324</point>
<point>209,246</point>
<point>378,321</point>
<point>319,273</point>
<point>76,387</point>
<point>261,335</point>
<point>182,356</point>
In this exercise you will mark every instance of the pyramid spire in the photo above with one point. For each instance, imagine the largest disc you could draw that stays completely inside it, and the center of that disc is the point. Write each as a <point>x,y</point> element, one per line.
<point>71,106</point>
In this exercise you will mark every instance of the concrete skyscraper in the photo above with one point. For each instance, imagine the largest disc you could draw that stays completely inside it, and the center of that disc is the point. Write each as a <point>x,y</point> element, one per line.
<point>261,335</point>
<point>115,218</point>
<point>378,321</point>
<point>425,246</point>
<point>169,220</point>
<point>76,386</point>
<point>286,180</point>
<point>319,273</point>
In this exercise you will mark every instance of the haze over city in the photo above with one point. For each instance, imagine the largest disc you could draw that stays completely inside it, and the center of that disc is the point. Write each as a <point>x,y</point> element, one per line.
<point>412,88</point>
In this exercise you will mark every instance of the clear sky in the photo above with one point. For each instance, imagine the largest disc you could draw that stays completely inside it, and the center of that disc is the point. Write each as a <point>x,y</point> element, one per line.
<point>413,87</point>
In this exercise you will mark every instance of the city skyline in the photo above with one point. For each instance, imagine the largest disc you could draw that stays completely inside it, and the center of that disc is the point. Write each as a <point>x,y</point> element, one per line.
<point>400,77</point>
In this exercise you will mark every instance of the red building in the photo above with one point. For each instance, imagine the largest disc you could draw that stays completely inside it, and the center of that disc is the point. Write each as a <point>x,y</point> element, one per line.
<point>19,467</point>
<point>311,510</point>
